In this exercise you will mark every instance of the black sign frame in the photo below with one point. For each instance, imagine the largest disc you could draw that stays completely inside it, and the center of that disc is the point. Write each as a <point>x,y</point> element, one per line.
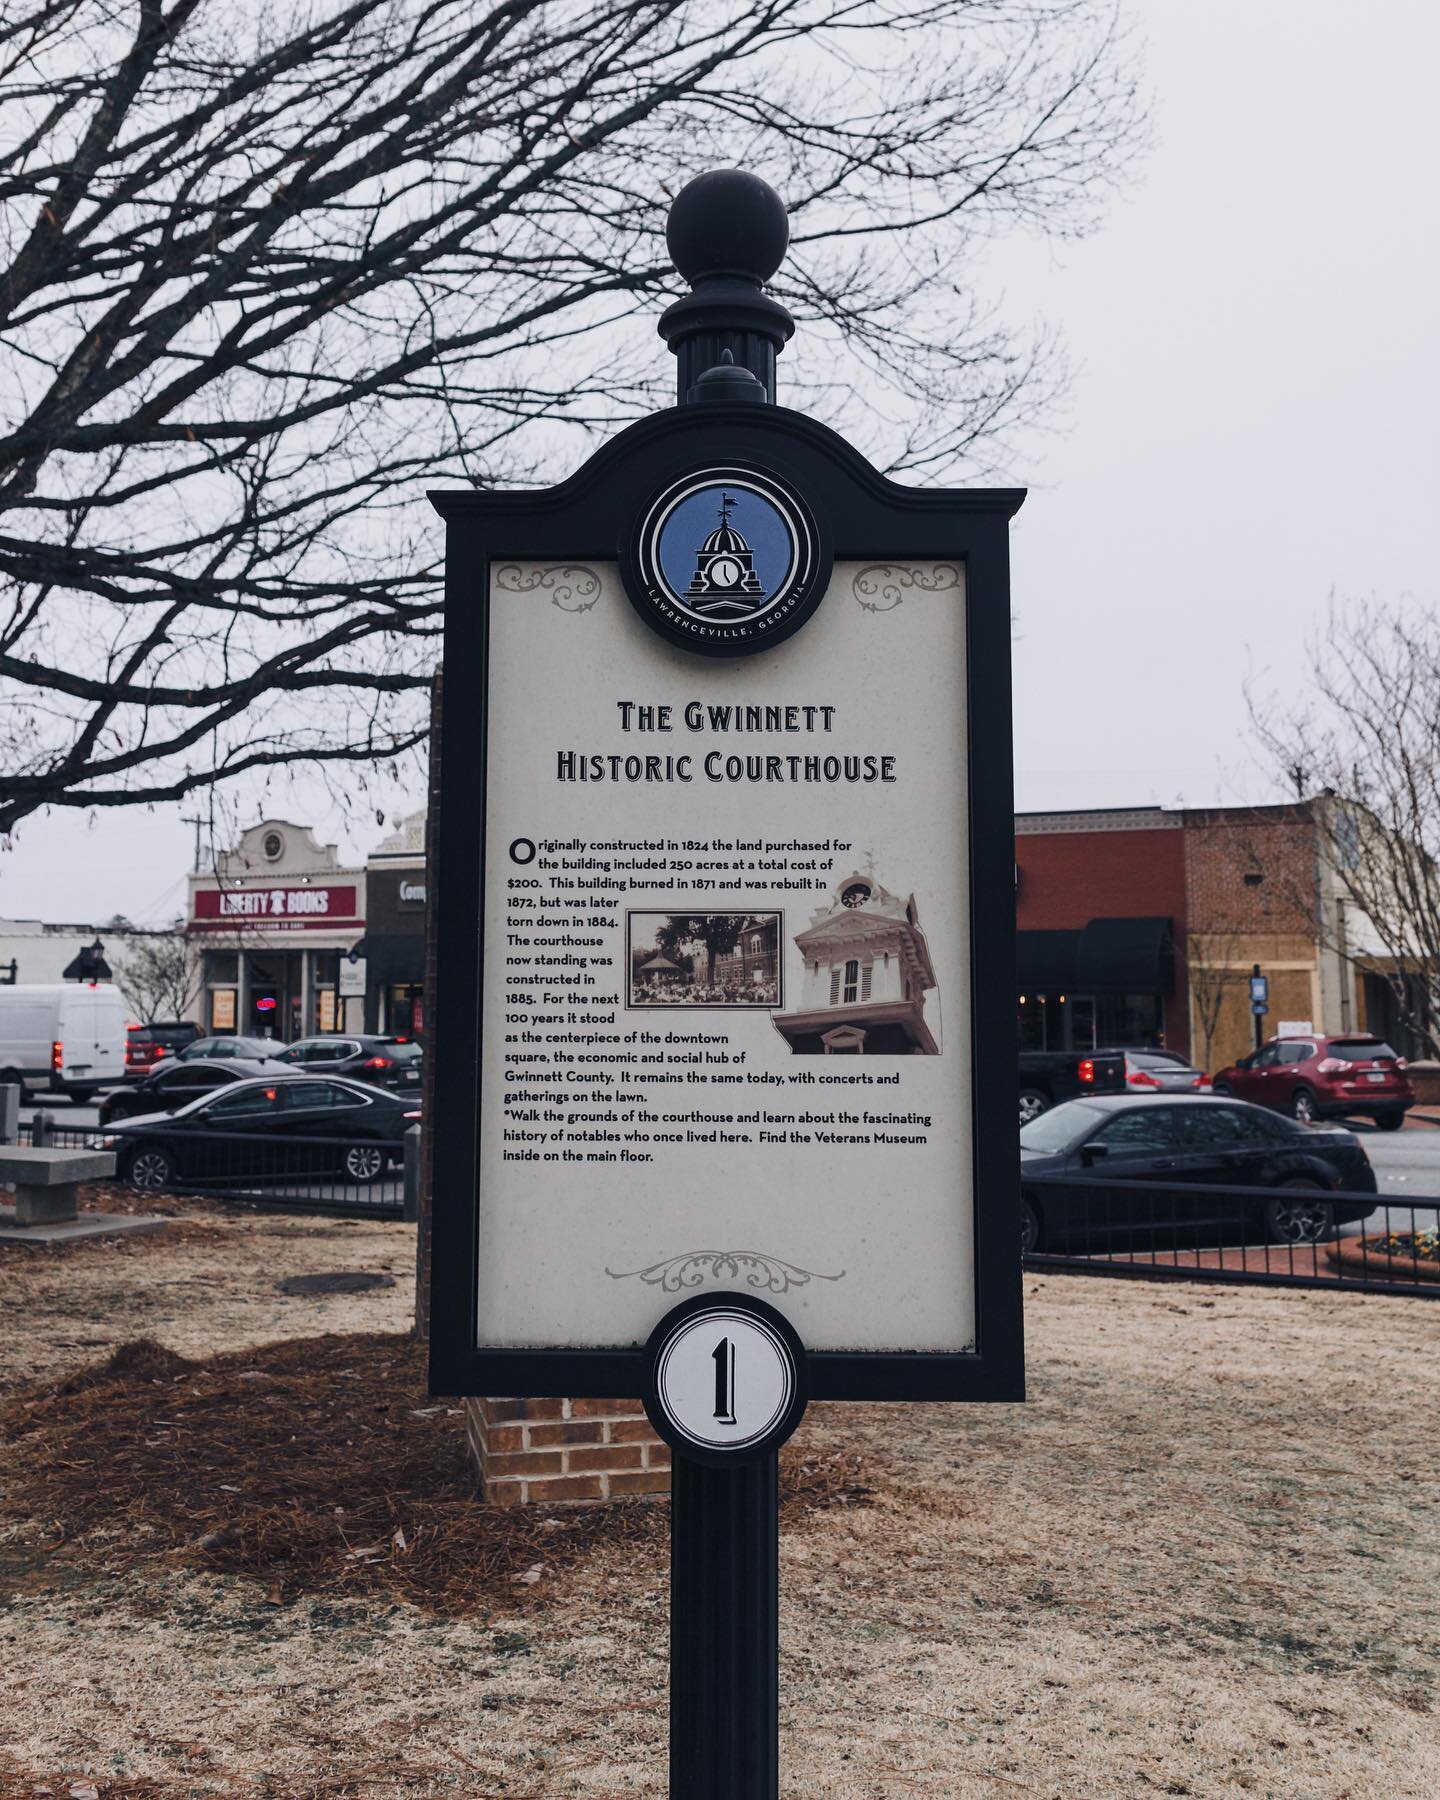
<point>585,519</point>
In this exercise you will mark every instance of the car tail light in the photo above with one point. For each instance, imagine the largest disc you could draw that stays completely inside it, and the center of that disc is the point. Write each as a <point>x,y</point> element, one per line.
<point>1400,1063</point>
<point>1138,1078</point>
<point>57,1057</point>
<point>1332,1065</point>
<point>410,1115</point>
<point>377,1062</point>
<point>1086,1071</point>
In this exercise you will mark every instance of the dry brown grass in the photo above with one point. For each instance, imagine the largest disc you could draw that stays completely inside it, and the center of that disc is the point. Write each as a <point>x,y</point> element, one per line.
<point>1201,1559</point>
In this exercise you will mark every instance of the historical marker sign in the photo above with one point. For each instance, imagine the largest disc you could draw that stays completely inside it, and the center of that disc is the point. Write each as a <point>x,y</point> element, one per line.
<point>725,911</point>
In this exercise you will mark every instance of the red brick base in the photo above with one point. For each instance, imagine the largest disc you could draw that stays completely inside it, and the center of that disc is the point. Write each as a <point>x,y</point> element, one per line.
<point>564,1450</point>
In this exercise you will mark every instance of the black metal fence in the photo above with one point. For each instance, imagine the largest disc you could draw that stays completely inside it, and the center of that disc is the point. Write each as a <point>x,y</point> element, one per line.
<point>329,1174</point>
<point>1301,1236</point>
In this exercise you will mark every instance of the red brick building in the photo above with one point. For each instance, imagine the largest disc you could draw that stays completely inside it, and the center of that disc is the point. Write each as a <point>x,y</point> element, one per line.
<point>1101,913</point>
<point>1140,926</point>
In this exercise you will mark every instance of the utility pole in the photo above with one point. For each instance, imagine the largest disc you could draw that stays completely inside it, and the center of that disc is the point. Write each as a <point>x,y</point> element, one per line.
<point>198,821</point>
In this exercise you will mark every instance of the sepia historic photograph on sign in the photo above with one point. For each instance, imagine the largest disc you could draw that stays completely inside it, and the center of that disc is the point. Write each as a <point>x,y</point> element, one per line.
<point>704,958</point>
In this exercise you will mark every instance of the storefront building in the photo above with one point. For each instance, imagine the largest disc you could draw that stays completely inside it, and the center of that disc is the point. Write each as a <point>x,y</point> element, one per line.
<point>393,950</point>
<point>1100,917</point>
<point>1141,926</point>
<point>272,927</point>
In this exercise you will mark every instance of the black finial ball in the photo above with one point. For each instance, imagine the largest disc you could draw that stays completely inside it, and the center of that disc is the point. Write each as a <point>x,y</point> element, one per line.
<point>726,222</point>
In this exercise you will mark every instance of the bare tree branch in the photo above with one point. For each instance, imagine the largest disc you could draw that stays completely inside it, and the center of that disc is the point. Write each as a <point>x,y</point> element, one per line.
<point>265,273</point>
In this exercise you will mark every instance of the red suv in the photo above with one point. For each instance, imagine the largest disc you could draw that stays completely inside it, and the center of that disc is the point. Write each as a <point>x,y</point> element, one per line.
<point>1324,1078</point>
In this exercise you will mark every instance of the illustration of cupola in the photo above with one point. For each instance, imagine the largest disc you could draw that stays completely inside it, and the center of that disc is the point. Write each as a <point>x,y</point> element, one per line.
<point>724,583</point>
<point>867,971</point>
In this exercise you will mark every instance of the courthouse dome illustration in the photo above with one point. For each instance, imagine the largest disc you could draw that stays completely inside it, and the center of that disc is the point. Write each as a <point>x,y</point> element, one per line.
<point>867,971</point>
<point>724,580</point>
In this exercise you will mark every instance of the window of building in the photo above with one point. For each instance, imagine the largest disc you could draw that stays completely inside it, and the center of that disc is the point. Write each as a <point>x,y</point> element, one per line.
<point>852,981</point>
<point>222,966</point>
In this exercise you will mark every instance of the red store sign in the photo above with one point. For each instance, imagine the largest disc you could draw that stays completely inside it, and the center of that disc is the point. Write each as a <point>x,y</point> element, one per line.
<point>274,908</point>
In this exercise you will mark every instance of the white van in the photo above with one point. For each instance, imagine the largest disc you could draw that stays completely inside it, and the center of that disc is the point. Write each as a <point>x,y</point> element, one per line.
<point>62,1038</point>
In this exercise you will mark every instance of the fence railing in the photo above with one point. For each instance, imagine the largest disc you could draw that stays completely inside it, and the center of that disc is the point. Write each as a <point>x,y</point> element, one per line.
<point>333,1174</point>
<point>1308,1237</point>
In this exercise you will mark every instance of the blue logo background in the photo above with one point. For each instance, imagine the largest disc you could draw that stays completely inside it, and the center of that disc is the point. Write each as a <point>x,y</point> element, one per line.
<point>762,526</point>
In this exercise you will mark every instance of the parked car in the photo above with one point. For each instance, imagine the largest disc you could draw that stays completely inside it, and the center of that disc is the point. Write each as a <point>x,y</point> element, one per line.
<point>1049,1076</point>
<point>1315,1077</point>
<point>1160,1072</point>
<point>391,1062</point>
<point>146,1044</point>
<point>254,1048</point>
<point>1190,1139</point>
<point>175,1083</point>
<point>62,1037</point>
<point>265,1130</point>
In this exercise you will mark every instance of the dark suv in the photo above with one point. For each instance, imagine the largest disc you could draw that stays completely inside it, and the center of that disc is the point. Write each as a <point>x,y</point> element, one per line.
<point>146,1044</point>
<point>1317,1077</point>
<point>388,1062</point>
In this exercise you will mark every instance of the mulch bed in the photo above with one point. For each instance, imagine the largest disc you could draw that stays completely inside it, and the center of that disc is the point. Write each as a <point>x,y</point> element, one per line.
<point>316,1465</point>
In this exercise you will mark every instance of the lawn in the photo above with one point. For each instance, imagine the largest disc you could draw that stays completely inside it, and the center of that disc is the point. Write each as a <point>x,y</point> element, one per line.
<point>240,1553</point>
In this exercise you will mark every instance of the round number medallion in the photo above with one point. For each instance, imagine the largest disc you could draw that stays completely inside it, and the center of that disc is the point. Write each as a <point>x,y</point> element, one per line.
<point>726,1378</point>
<point>725,561</point>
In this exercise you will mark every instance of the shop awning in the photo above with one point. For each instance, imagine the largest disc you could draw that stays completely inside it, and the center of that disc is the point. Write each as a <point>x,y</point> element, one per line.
<point>1045,960</point>
<point>1109,956</point>
<point>1130,956</point>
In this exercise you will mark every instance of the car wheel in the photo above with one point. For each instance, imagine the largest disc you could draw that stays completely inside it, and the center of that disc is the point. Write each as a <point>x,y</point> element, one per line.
<point>363,1162</point>
<point>1029,1228</point>
<point>1032,1104</point>
<point>1303,1107</point>
<point>1298,1215</point>
<point>1220,1087</point>
<point>150,1169</point>
<point>1390,1121</point>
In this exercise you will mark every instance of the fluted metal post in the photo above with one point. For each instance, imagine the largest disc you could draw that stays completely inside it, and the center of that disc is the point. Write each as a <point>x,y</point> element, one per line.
<point>725,1631</point>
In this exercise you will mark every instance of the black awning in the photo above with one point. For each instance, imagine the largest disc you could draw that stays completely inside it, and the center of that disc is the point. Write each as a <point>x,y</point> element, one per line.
<point>1045,960</point>
<point>393,959</point>
<point>1131,956</point>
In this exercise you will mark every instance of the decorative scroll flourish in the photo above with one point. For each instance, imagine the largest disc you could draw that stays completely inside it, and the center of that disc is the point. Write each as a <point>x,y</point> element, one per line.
<point>890,581</point>
<point>699,1266</point>
<point>565,583</point>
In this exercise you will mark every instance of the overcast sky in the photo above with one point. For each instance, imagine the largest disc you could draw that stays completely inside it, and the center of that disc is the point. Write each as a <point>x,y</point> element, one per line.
<point>1251,427</point>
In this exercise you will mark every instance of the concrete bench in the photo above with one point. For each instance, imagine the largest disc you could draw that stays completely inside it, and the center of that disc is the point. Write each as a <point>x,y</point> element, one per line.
<point>47,1182</point>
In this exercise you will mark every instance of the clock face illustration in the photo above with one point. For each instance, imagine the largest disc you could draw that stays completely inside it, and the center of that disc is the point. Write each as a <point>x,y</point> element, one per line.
<point>725,561</point>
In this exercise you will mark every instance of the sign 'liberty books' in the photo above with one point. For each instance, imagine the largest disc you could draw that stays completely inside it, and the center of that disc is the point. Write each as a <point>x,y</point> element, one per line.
<point>725,916</point>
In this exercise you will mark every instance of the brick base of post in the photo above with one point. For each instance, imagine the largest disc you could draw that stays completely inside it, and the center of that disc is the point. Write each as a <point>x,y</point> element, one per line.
<point>555,1450</point>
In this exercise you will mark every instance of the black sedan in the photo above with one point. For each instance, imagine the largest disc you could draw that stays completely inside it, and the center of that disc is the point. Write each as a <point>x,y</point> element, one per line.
<point>390,1062</point>
<point>267,1129</point>
<point>175,1083</point>
<point>1208,1144</point>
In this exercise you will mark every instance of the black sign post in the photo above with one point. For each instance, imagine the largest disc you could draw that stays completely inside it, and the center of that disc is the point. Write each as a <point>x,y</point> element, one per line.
<point>726,952</point>
<point>1259,1003</point>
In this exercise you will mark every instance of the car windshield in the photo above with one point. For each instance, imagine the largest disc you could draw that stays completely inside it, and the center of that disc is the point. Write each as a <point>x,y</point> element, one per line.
<point>1362,1050</point>
<point>403,1053</point>
<point>1156,1059</point>
<point>1061,1127</point>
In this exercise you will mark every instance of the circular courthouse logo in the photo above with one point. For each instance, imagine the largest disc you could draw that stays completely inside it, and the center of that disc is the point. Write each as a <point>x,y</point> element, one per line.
<point>725,561</point>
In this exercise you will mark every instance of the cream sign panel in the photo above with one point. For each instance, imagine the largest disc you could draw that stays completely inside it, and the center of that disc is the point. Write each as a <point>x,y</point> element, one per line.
<point>725,927</point>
